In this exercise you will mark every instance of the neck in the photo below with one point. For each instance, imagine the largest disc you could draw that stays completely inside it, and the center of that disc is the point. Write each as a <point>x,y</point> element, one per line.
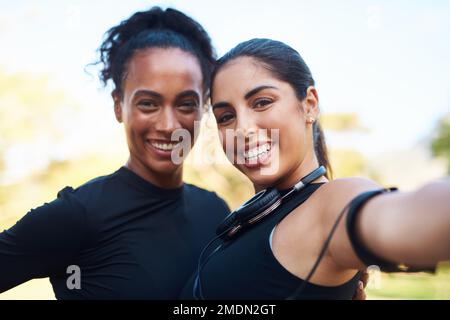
<point>166,180</point>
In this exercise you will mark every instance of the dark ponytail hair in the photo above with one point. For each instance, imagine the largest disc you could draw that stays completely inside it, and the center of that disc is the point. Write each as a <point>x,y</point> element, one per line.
<point>154,28</point>
<point>287,65</point>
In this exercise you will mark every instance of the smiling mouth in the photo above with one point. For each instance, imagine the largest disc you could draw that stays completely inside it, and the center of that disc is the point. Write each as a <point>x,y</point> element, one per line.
<point>164,146</point>
<point>257,152</point>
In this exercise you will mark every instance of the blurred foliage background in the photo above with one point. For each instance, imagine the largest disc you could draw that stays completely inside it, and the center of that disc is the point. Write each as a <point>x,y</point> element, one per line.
<point>31,113</point>
<point>441,142</point>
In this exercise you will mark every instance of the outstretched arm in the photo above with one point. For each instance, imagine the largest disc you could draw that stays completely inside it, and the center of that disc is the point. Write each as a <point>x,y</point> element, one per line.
<point>411,228</point>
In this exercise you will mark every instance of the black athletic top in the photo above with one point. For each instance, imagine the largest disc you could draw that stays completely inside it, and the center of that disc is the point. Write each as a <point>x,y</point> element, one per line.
<point>245,268</point>
<point>130,239</point>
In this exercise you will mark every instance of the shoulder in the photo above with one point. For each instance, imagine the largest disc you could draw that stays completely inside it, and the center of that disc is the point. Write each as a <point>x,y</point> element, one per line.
<point>205,195</point>
<point>78,199</point>
<point>96,185</point>
<point>58,223</point>
<point>342,189</point>
<point>329,200</point>
<point>335,195</point>
<point>205,201</point>
<point>78,203</point>
<point>96,194</point>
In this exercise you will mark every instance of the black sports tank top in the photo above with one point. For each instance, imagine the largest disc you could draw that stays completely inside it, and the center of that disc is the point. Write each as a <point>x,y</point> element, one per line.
<point>245,267</point>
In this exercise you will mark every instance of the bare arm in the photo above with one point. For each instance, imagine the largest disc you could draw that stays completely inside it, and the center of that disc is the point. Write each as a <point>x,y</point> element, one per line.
<point>402,227</point>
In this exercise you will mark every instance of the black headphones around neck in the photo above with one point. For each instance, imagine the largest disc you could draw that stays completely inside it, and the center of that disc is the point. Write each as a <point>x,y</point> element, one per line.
<point>261,205</point>
<point>251,212</point>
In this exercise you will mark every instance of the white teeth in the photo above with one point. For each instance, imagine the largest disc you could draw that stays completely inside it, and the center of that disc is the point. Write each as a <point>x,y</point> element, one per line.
<point>256,152</point>
<point>165,146</point>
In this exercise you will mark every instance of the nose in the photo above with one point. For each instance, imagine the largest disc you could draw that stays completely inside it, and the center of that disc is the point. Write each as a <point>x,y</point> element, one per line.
<point>167,121</point>
<point>245,126</point>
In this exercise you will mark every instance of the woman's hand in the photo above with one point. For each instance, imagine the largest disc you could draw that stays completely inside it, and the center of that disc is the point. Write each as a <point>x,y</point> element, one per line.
<point>360,293</point>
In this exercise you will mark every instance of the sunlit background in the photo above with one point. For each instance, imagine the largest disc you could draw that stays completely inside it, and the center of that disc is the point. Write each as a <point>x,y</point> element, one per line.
<point>382,70</point>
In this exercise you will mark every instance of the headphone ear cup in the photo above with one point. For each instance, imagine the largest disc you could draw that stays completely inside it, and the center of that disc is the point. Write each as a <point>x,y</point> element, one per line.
<point>253,208</point>
<point>260,202</point>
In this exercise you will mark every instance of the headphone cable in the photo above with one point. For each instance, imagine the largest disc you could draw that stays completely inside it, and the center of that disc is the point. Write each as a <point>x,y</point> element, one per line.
<point>200,265</point>
<point>321,255</point>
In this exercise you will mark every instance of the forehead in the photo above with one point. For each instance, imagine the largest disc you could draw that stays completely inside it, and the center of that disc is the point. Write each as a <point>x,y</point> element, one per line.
<point>160,69</point>
<point>239,76</point>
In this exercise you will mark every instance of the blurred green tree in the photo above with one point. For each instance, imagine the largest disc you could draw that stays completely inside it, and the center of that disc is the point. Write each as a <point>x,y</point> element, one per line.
<point>345,162</point>
<point>30,108</point>
<point>440,146</point>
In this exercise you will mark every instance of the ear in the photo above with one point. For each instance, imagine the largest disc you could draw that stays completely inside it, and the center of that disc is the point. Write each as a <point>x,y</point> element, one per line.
<point>117,105</point>
<point>311,105</point>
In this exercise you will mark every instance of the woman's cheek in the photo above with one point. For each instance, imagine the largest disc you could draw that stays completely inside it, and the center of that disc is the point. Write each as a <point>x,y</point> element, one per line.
<point>286,146</point>
<point>228,147</point>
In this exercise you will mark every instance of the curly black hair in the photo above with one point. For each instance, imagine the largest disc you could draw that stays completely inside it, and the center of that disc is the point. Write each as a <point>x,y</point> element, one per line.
<point>158,28</point>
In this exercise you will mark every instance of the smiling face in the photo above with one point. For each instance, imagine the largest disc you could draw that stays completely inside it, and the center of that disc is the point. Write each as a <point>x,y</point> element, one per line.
<point>253,105</point>
<point>162,92</point>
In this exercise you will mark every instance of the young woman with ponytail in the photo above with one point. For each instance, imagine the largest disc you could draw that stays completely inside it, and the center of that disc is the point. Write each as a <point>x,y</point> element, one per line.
<point>314,244</point>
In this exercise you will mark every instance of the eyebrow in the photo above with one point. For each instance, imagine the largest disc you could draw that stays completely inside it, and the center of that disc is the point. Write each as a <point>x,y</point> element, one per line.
<point>256,90</point>
<point>220,105</point>
<point>145,92</point>
<point>247,96</point>
<point>184,94</point>
<point>188,93</point>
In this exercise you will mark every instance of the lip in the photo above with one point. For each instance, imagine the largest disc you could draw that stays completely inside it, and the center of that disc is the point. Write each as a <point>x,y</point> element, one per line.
<point>161,140</point>
<point>257,144</point>
<point>260,160</point>
<point>164,154</point>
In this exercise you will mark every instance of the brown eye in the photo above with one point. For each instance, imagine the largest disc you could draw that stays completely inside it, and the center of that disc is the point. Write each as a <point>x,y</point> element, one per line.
<point>147,104</point>
<point>224,118</point>
<point>261,103</point>
<point>189,105</point>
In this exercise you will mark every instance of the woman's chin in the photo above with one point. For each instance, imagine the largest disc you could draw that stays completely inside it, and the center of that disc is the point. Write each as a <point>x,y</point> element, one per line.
<point>260,180</point>
<point>166,167</point>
